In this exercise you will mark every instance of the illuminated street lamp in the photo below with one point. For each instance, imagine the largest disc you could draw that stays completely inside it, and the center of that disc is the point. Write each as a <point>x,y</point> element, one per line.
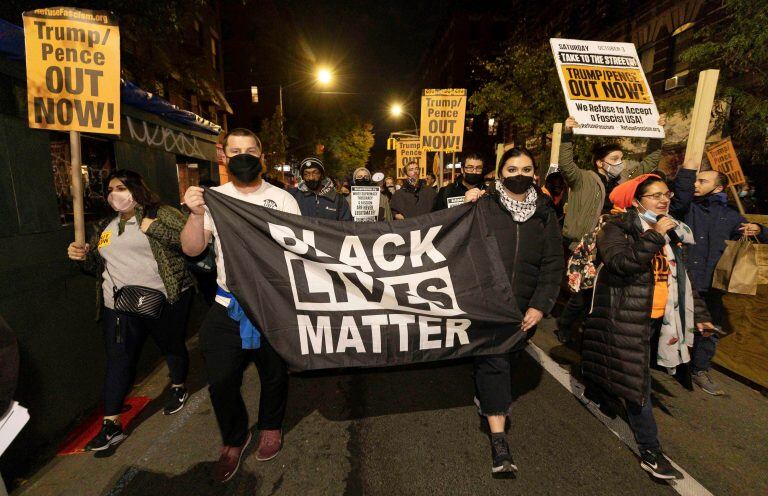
<point>397,110</point>
<point>324,76</point>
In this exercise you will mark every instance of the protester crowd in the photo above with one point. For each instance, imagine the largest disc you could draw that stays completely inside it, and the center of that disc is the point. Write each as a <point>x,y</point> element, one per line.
<point>640,250</point>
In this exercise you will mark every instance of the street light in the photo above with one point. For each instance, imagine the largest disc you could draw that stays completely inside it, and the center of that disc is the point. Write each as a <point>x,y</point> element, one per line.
<point>324,75</point>
<point>397,110</point>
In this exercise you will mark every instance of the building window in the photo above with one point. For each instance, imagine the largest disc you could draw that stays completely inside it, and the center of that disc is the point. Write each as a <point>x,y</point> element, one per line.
<point>474,30</point>
<point>97,162</point>
<point>499,31</point>
<point>189,175</point>
<point>198,27</point>
<point>647,58</point>
<point>215,53</point>
<point>682,39</point>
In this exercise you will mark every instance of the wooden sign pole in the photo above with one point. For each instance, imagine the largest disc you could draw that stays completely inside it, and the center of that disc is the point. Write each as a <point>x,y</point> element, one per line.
<point>554,152</point>
<point>453,168</point>
<point>736,198</point>
<point>442,169</point>
<point>701,115</point>
<point>77,188</point>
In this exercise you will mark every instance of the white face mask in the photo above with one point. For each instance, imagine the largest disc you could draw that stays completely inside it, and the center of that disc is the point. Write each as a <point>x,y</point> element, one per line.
<point>613,170</point>
<point>121,201</point>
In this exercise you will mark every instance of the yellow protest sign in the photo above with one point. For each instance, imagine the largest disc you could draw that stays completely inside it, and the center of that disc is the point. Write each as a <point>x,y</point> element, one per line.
<point>722,157</point>
<point>606,84</point>
<point>73,70</point>
<point>410,150</point>
<point>442,119</point>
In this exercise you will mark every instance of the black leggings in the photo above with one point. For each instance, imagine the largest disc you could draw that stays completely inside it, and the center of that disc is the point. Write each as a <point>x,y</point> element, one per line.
<point>168,332</point>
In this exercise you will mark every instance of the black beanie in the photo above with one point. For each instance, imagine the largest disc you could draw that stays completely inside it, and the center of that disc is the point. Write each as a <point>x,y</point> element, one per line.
<point>311,163</point>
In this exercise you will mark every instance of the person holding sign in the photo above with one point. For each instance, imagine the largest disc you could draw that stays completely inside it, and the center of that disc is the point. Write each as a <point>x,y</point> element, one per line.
<point>589,198</point>
<point>361,179</point>
<point>589,194</point>
<point>471,177</point>
<point>415,197</point>
<point>228,339</point>
<point>316,193</point>
<point>138,247</point>
<point>643,294</point>
<point>524,224</point>
<point>701,201</point>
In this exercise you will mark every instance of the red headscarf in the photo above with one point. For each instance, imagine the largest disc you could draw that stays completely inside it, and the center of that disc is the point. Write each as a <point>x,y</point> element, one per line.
<point>623,194</point>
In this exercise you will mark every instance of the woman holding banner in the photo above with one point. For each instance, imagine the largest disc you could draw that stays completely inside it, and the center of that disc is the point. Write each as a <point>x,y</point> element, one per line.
<point>524,223</point>
<point>137,249</point>
<point>643,295</point>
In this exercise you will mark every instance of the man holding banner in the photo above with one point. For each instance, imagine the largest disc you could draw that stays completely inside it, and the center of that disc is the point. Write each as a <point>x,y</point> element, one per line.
<point>228,337</point>
<point>472,167</point>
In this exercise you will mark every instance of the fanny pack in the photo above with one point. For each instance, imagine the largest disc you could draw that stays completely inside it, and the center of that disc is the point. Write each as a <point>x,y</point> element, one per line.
<point>139,301</point>
<point>136,301</point>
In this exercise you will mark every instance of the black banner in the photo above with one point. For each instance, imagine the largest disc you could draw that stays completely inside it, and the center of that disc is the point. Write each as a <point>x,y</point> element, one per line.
<point>329,294</point>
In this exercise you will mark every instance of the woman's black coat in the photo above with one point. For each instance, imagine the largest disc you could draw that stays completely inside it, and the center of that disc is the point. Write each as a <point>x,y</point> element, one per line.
<point>531,251</point>
<point>616,348</point>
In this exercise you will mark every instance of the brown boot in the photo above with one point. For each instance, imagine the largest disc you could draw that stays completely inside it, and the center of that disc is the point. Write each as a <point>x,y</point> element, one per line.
<point>270,443</point>
<point>229,461</point>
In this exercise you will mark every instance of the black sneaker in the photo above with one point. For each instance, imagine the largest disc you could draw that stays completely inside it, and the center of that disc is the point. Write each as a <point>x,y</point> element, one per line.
<point>503,465</point>
<point>654,462</point>
<point>111,433</point>
<point>176,401</point>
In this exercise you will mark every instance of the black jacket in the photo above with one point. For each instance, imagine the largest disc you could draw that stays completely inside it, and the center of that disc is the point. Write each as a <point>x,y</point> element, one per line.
<point>330,205</point>
<point>455,189</point>
<point>616,350</point>
<point>531,251</point>
<point>412,201</point>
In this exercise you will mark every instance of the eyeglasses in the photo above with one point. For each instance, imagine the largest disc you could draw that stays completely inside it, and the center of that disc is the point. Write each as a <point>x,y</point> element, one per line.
<point>657,196</point>
<point>473,170</point>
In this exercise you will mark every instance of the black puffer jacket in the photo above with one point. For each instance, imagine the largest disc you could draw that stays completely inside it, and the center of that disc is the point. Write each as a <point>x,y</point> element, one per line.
<point>531,251</point>
<point>616,349</point>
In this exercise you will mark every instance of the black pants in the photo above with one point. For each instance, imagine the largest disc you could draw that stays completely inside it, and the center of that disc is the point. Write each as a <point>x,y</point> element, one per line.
<point>640,417</point>
<point>574,312</point>
<point>704,348</point>
<point>225,362</point>
<point>493,382</point>
<point>168,332</point>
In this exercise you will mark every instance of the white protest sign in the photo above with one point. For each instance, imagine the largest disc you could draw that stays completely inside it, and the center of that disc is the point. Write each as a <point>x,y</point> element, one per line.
<point>454,201</point>
<point>365,203</point>
<point>606,89</point>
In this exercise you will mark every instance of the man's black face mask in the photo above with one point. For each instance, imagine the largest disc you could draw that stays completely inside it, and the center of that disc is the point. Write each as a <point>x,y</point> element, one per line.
<point>245,167</point>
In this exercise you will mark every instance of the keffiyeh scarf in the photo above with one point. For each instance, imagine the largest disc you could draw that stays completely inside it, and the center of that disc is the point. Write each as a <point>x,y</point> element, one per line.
<point>521,210</point>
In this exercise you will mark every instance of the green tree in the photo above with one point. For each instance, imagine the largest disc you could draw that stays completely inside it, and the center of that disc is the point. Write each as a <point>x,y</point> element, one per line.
<point>273,138</point>
<point>349,147</point>
<point>521,88</point>
<point>738,46</point>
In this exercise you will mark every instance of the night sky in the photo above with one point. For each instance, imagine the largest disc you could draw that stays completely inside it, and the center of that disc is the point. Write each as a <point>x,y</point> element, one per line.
<point>376,48</point>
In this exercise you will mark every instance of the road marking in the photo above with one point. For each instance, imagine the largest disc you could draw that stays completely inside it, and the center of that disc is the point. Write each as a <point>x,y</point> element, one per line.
<point>687,486</point>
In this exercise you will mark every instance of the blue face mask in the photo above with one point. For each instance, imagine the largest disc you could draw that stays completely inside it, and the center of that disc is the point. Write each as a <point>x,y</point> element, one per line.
<point>742,194</point>
<point>649,216</point>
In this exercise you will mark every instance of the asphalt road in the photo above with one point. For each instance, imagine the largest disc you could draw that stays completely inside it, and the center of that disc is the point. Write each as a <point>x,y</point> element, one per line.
<point>411,430</point>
